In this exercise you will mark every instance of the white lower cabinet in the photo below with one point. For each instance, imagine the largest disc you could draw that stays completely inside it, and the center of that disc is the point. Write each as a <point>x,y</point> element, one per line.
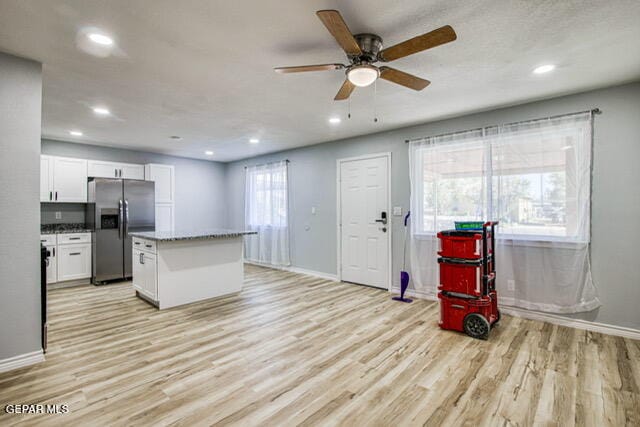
<point>145,273</point>
<point>74,261</point>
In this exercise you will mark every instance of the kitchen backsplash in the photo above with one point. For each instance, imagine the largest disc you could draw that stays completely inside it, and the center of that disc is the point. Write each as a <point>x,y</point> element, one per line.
<point>68,212</point>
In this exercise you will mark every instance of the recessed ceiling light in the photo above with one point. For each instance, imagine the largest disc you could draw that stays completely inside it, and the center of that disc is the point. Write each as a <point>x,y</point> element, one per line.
<point>75,133</point>
<point>254,140</point>
<point>209,153</point>
<point>101,39</point>
<point>544,69</point>
<point>335,120</point>
<point>101,111</point>
<point>176,137</point>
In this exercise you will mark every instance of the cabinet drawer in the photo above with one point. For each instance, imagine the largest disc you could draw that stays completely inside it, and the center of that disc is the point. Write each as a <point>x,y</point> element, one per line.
<point>144,245</point>
<point>64,239</point>
<point>48,239</point>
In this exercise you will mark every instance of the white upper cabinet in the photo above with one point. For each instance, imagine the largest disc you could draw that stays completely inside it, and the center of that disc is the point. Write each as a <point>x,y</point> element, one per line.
<point>69,180</point>
<point>102,169</point>
<point>130,171</point>
<point>164,177</point>
<point>46,178</point>
<point>99,169</point>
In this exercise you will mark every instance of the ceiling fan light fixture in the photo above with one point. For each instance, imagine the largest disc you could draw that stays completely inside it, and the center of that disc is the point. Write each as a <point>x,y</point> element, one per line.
<point>363,75</point>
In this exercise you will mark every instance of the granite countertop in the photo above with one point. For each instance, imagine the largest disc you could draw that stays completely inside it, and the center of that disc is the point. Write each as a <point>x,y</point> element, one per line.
<point>167,236</point>
<point>64,228</point>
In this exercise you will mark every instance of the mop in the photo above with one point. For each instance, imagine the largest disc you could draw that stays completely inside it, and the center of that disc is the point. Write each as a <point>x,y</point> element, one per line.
<point>404,276</point>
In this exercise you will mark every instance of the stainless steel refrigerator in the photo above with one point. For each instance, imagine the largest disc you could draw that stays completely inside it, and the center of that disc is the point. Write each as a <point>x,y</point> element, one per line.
<point>115,208</point>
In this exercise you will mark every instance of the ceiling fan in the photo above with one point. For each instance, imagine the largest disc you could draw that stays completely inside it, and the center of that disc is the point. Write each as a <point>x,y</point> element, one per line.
<point>363,50</point>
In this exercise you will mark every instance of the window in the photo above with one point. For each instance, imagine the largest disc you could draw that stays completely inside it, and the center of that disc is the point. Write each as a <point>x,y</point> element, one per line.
<point>533,177</point>
<point>267,195</point>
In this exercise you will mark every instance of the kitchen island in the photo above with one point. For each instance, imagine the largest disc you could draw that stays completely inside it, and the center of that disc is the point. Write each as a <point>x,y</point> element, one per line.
<point>172,268</point>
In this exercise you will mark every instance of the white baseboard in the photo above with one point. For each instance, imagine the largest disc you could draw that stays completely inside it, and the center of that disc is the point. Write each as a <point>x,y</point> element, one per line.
<point>298,270</point>
<point>21,360</point>
<point>554,319</point>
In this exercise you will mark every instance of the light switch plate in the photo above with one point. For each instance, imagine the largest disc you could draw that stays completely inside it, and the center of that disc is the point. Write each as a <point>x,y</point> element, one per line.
<point>58,215</point>
<point>313,210</point>
<point>397,210</point>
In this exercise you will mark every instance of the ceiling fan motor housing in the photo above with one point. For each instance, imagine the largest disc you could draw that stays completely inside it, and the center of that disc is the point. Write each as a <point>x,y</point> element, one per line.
<point>370,44</point>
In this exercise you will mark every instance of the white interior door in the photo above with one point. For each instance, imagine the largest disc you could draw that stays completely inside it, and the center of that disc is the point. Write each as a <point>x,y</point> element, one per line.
<point>364,202</point>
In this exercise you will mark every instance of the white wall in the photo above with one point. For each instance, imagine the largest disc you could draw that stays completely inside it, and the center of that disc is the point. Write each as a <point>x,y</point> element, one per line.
<point>200,185</point>
<point>20,106</point>
<point>615,206</point>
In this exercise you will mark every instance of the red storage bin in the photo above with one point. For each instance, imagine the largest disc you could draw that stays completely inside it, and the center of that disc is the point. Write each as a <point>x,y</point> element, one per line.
<point>462,276</point>
<point>460,244</point>
<point>454,310</point>
<point>464,244</point>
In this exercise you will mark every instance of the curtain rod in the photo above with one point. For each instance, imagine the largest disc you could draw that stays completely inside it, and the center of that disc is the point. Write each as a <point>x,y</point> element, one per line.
<point>592,111</point>
<point>270,163</point>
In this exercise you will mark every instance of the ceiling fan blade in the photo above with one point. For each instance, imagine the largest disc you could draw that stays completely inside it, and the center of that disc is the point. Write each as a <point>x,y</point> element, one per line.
<point>417,44</point>
<point>345,91</point>
<point>303,68</point>
<point>403,79</point>
<point>339,30</point>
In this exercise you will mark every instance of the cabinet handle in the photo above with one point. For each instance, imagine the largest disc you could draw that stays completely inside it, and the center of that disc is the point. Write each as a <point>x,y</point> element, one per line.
<point>137,243</point>
<point>149,246</point>
<point>120,173</point>
<point>115,173</point>
<point>74,253</point>
<point>50,195</point>
<point>74,238</point>
<point>54,251</point>
<point>141,257</point>
<point>56,195</point>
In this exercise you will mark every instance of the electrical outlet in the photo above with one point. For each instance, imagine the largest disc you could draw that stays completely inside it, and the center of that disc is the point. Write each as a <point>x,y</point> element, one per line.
<point>58,215</point>
<point>511,285</point>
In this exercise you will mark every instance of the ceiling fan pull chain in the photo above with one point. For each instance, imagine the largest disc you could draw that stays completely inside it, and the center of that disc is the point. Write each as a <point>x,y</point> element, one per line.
<point>375,97</point>
<point>349,109</point>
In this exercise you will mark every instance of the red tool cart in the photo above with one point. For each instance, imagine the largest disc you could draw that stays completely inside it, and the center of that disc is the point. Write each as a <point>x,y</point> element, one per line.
<point>468,298</point>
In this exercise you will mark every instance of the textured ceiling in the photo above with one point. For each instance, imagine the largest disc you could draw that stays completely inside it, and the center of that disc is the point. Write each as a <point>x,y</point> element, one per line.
<point>203,69</point>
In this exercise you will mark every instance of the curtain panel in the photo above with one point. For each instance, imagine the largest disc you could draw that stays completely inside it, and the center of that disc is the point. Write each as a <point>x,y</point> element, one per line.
<point>267,213</point>
<point>535,178</point>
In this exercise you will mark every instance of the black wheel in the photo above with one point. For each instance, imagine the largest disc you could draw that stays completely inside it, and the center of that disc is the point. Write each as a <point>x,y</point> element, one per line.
<point>498,317</point>
<point>476,326</point>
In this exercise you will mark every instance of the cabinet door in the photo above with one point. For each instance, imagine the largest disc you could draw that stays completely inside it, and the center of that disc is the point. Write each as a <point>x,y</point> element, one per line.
<point>163,176</point>
<point>46,179</point>
<point>128,171</point>
<point>74,261</point>
<point>138,271</point>
<point>151,275</point>
<point>164,217</point>
<point>52,267</point>
<point>70,180</point>
<point>100,169</point>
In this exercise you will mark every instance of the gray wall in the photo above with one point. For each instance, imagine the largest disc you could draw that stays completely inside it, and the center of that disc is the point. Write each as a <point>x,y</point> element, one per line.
<point>20,106</point>
<point>615,207</point>
<point>200,185</point>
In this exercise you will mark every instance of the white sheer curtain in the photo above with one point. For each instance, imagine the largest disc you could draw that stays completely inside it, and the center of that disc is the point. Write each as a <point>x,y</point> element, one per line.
<point>533,177</point>
<point>267,212</point>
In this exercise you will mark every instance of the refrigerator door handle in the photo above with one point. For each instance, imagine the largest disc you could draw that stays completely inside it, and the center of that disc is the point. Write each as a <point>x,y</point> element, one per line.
<point>126,220</point>
<point>121,219</point>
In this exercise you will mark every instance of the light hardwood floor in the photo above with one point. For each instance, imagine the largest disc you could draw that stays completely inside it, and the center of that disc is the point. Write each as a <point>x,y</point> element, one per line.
<point>296,350</point>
